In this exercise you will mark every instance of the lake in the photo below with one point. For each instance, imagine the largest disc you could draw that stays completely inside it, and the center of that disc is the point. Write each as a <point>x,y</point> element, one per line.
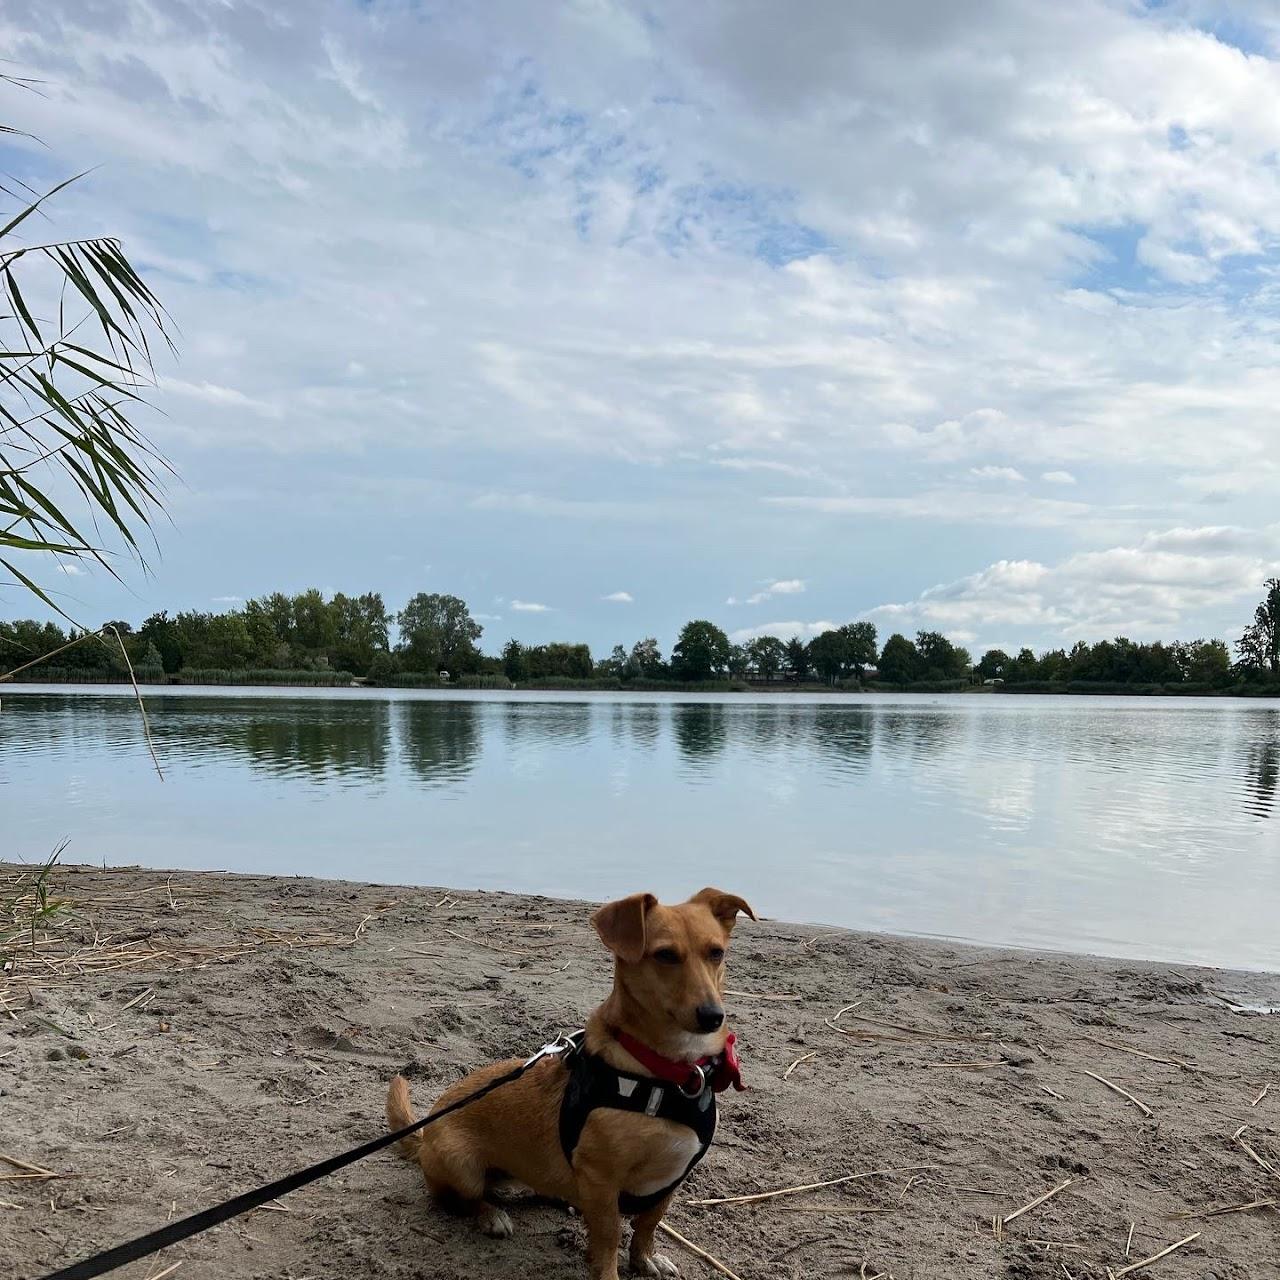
<point>1128,827</point>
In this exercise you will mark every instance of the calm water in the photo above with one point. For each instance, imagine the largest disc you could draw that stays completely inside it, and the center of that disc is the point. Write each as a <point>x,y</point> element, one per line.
<point>1127,826</point>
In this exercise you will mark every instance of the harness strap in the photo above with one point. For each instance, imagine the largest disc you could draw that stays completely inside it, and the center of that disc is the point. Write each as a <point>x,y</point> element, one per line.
<point>594,1083</point>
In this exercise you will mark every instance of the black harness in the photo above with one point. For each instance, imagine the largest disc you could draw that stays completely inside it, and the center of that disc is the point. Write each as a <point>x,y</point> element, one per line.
<point>594,1083</point>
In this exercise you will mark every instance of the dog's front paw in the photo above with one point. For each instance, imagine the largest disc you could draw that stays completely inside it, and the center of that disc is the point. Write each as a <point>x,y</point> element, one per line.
<point>655,1264</point>
<point>494,1222</point>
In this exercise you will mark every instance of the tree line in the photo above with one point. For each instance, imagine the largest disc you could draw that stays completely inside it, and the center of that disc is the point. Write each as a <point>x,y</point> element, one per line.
<point>434,638</point>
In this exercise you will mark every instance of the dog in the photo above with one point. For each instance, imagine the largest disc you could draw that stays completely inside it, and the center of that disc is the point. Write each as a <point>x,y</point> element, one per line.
<point>613,1124</point>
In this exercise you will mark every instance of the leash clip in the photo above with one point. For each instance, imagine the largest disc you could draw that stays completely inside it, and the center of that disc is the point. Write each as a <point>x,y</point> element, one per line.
<point>563,1043</point>
<point>700,1075</point>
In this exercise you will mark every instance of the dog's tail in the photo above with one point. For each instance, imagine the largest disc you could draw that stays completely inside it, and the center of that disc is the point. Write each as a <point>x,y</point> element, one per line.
<point>400,1114</point>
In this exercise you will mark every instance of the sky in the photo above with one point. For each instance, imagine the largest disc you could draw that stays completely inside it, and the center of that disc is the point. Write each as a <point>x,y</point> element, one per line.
<point>606,315</point>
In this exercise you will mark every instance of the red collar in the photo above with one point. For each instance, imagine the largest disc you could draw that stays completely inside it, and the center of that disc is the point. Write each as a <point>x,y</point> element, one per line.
<point>725,1069</point>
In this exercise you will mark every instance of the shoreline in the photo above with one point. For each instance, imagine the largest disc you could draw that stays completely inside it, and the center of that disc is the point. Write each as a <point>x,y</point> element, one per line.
<point>1243,694</point>
<point>215,1030</point>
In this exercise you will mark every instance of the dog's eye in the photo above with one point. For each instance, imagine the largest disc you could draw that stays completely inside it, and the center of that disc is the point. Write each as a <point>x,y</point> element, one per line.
<point>715,955</point>
<point>665,955</point>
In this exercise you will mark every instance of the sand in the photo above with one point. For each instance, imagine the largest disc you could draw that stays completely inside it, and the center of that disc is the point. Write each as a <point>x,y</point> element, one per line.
<point>261,1018</point>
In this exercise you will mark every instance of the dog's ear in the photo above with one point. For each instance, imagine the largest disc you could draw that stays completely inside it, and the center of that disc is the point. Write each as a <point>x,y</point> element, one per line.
<point>621,925</point>
<point>724,906</point>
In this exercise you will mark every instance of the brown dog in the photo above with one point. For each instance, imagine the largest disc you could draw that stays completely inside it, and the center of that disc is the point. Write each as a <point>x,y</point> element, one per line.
<point>610,1129</point>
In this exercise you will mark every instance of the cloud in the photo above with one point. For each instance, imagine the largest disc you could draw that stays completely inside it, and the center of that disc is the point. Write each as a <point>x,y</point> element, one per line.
<point>782,630</point>
<point>525,606</point>
<point>394,239</point>
<point>1150,589</point>
<point>783,587</point>
<point>947,506</point>
<point>619,597</point>
<point>71,569</point>
<point>227,599</point>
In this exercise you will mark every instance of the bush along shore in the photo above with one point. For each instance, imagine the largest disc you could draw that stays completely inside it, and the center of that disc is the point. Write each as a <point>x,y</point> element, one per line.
<point>915,1108</point>
<point>310,640</point>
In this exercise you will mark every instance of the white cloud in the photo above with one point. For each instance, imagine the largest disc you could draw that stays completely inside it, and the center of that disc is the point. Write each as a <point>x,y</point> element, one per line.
<point>71,569</point>
<point>948,506</point>
<point>619,597</point>
<point>783,630</point>
<point>782,587</point>
<point>394,240</point>
<point>1148,590</point>
<point>525,606</point>
<point>228,599</point>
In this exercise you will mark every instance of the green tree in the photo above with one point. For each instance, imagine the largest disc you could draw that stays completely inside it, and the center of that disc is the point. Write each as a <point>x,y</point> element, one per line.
<point>798,659</point>
<point>767,655</point>
<point>701,652</point>
<point>1204,662</point>
<point>614,667</point>
<point>899,660</point>
<point>437,633</point>
<point>993,665</point>
<point>76,330</point>
<point>860,646</point>
<point>828,652</point>
<point>1259,646</point>
<point>149,663</point>
<point>160,631</point>
<point>739,660</point>
<point>939,658</point>
<point>645,662</point>
<point>514,665</point>
<point>559,660</point>
<point>361,628</point>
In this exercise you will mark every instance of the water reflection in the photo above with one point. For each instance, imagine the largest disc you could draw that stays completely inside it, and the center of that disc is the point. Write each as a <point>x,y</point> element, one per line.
<point>335,742</point>
<point>1033,820</point>
<point>701,730</point>
<point>440,740</point>
<point>1263,778</point>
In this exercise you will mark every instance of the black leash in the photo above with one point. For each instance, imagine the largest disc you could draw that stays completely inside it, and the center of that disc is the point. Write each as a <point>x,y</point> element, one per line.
<point>185,1228</point>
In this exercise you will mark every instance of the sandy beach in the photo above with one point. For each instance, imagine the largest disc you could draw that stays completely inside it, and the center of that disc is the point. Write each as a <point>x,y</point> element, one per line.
<point>171,1040</point>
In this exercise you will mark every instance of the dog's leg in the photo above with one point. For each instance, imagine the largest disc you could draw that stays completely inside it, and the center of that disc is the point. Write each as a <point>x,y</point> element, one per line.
<point>599,1205</point>
<point>644,1262</point>
<point>457,1181</point>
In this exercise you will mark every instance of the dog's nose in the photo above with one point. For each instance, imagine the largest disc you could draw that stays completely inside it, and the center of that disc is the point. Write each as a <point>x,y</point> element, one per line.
<point>710,1017</point>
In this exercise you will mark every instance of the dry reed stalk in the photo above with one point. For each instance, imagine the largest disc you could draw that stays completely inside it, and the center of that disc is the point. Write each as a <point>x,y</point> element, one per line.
<point>1155,1257</point>
<point>35,1169</point>
<point>1266,1089</point>
<point>758,995</point>
<point>1138,1053</point>
<point>1002,1222</point>
<point>1052,1093</point>
<point>1231,1208</point>
<point>168,1271</point>
<point>709,1259</point>
<point>808,1186</point>
<point>963,1066</point>
<point>831,1208</point>
<point>1124,1093</point>
<point>786,1075</point>
<point>490,946</point>
<point>1265,1165</point>
<point>912,1031</point>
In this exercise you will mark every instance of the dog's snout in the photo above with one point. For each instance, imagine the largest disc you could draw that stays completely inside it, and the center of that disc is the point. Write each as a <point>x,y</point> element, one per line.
<point>710,1017</point>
